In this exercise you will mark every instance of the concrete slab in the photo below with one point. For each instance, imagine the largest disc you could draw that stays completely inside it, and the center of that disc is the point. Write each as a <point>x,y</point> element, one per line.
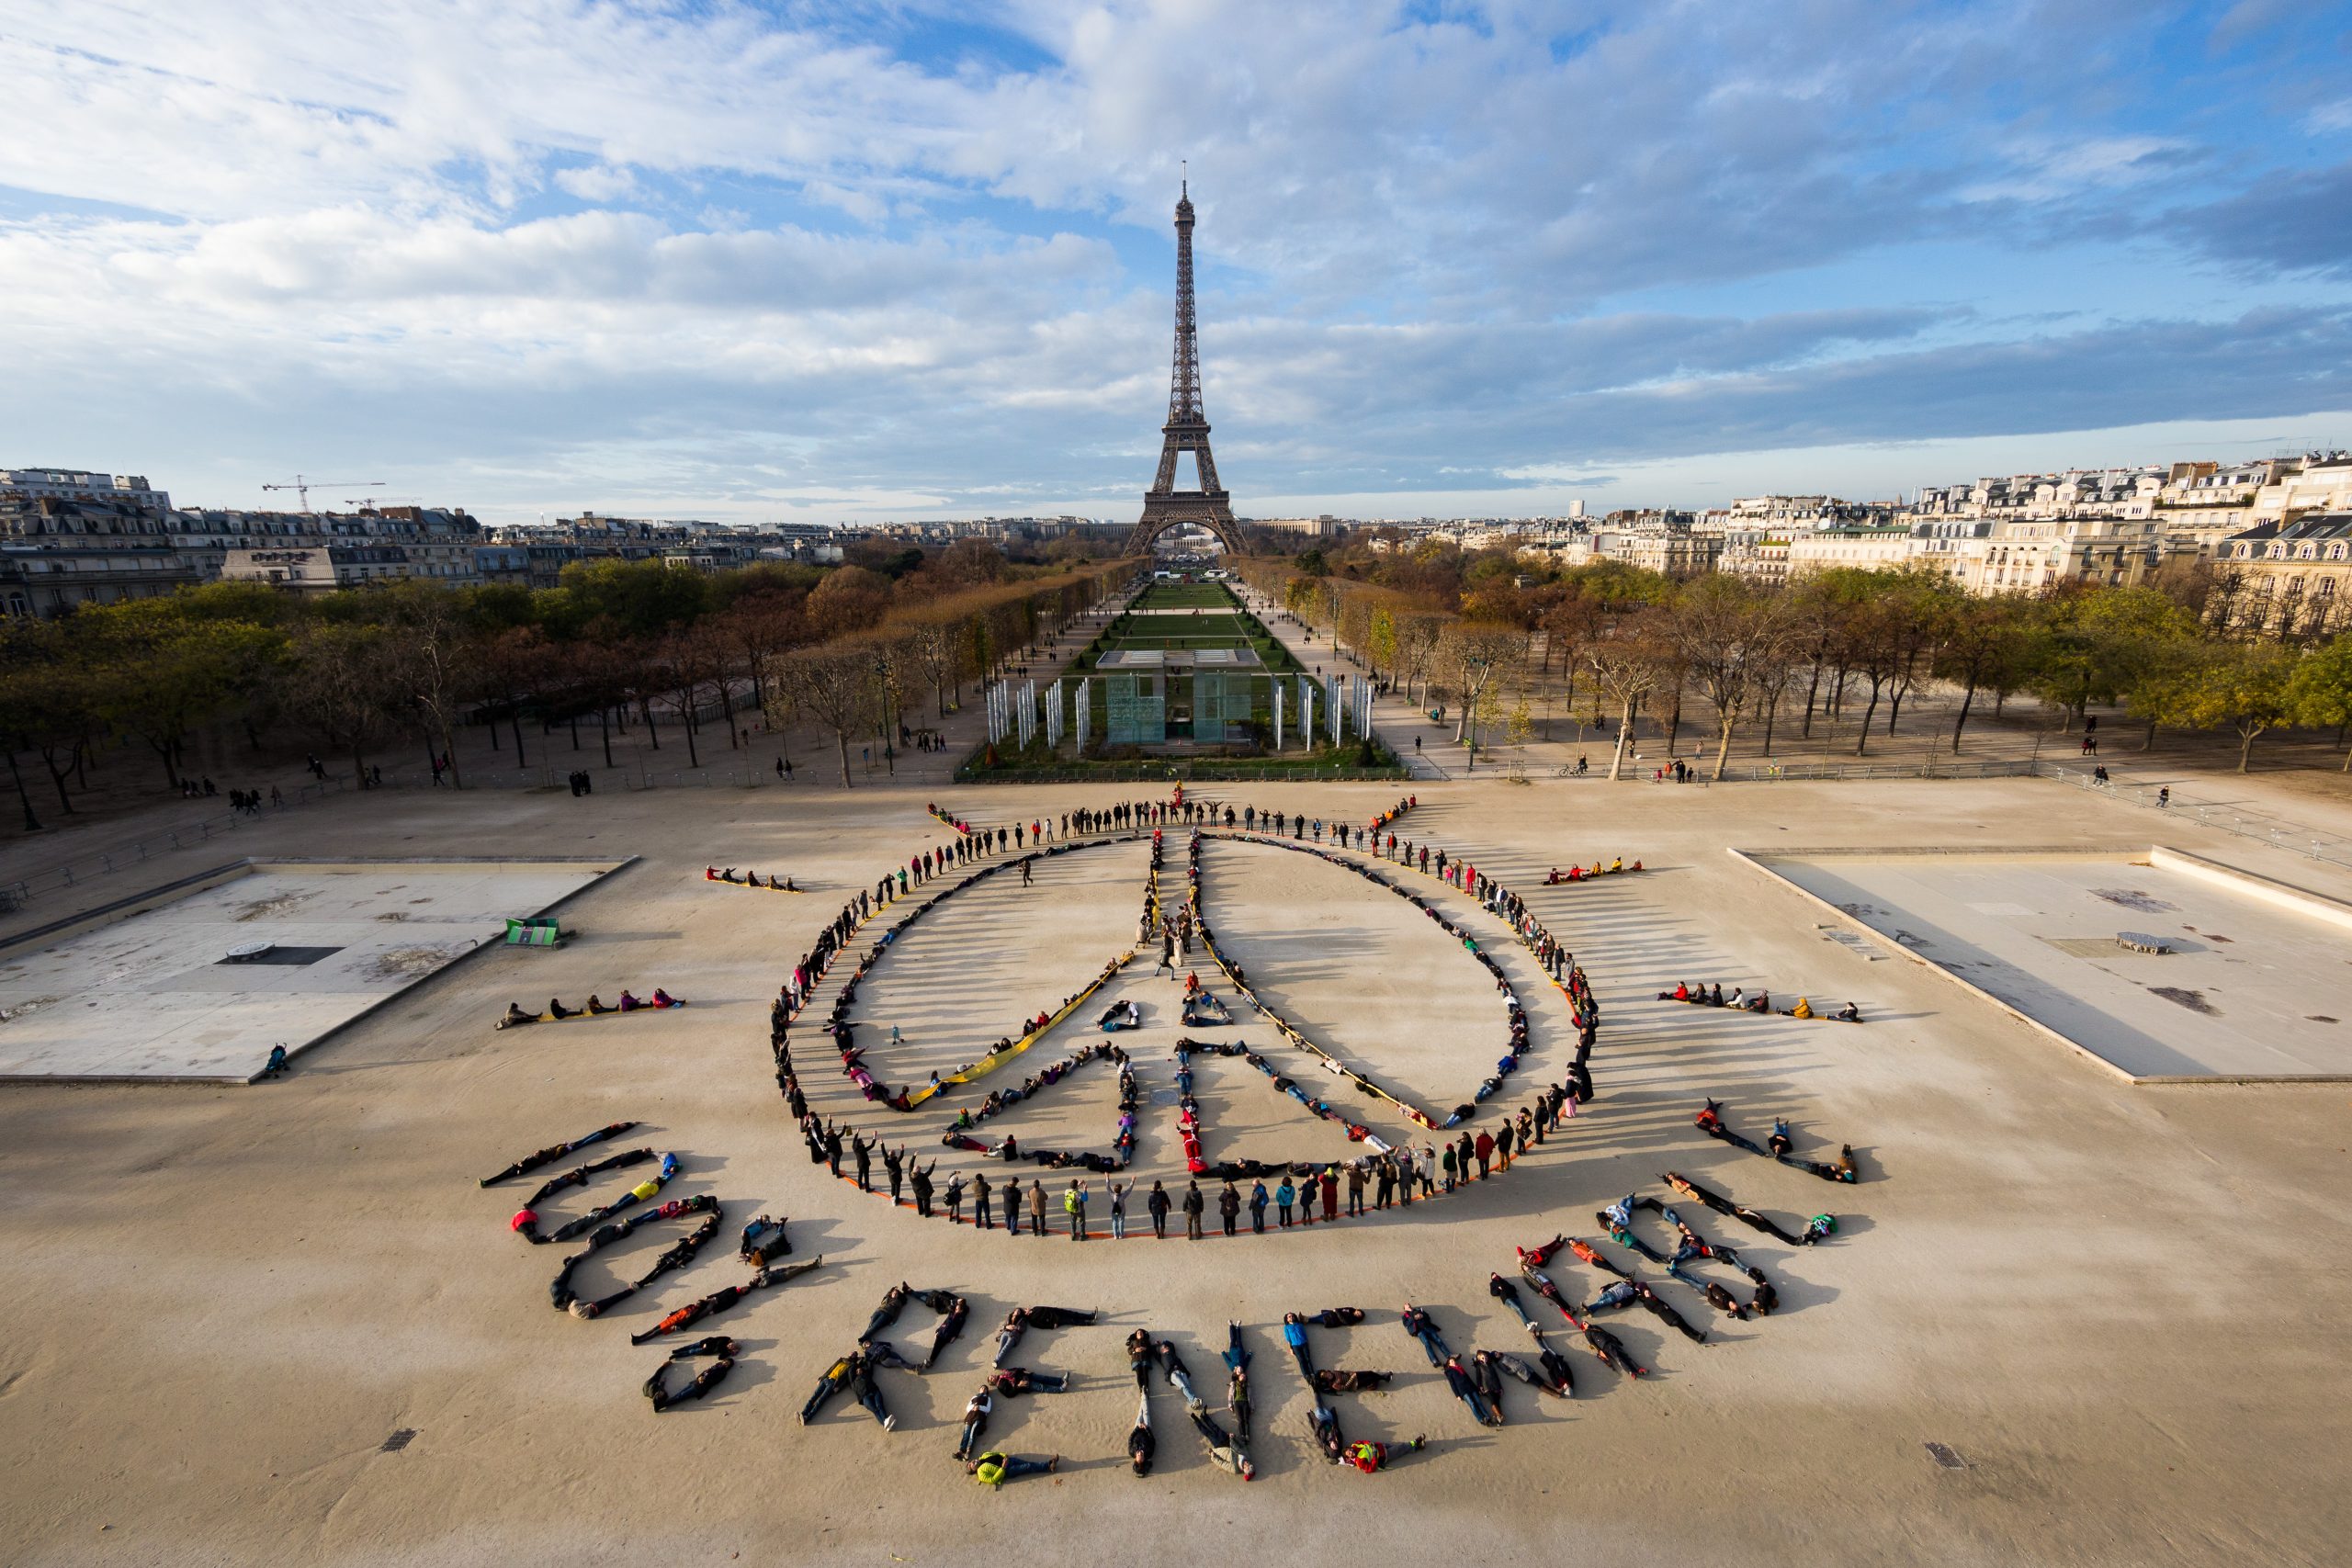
<point>155,992</point>
<point>2250,987</point>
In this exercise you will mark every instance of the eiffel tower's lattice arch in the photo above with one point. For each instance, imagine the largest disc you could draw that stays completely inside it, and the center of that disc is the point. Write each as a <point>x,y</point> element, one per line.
<point>1218,520</point>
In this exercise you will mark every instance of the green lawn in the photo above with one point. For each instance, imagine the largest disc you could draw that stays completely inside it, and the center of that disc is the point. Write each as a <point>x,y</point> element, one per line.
<point>1187,597</point>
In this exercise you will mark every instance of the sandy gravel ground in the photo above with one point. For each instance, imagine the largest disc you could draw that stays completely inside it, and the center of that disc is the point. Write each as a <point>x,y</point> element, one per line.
<point>2120,1307</point>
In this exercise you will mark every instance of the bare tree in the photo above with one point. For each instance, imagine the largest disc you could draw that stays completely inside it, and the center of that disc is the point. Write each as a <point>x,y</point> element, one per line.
<point>1730,639</point>
<point>834,686</point>
<point>939,646</point>
<point>341,679</point>
<point>438,662</point>
<point>1626,662</point>
<point>1476,654</point>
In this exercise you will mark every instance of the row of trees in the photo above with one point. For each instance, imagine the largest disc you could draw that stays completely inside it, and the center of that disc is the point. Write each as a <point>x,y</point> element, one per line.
<point>615,644</point>
<point>1637,643</point>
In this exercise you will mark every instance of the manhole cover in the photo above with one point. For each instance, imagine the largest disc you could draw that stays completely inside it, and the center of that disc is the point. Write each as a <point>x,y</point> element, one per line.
<point>1943,1454</point>
<point>407,1435</point>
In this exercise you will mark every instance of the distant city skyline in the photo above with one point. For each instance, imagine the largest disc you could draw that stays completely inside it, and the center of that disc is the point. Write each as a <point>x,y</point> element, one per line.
<point>750,262</point>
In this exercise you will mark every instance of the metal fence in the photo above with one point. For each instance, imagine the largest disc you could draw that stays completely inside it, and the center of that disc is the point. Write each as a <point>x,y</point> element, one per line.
<point>185,835</point>
<point>2295,837</point>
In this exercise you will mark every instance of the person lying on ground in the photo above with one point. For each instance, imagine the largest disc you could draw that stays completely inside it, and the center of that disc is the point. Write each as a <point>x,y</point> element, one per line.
<point>710,1377</point>
<point>1766,1298</point>
<point>1465,1388</point>
<point>1178,1372</point>
<point>1618,1294</point>
<point>764,1241</point>
<point>1295,1335</point>
<point>1544,1383</point>
<point>720,1301</point>
<point>1656,1306</point>
<point>1141,1445</point>
<point>1369,1457</point>
<point>709,1345</point>
<point>829,1383</point>
<point>1139,1356</point>
<point>866,1392</point>
<point>1014,1381</point>
<point>1340,1380</point>
<point>1554,1366</point>
<point>578,1174</point>
<point>675,1257</point>
<point>1423,1328</point>
<point>1724,1301</point>
<point>976,1423</point>
<point>555,1152</point>
<point>1324,1422</point>
<point>1224,1451</point>
<point>1503,1290</point>
<point>953,1310</point>
<point>1056,1317</point>
<point>1612,1351</point>
<point>1539,1255</point>
<point>894,1302</point>
<point>1543,1286</point>
<point>993,1469</point>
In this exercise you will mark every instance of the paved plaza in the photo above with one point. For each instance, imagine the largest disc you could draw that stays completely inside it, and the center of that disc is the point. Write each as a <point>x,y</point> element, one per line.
<point>201,982</point>
<point>282,1322</point>
<point>2242,987</point>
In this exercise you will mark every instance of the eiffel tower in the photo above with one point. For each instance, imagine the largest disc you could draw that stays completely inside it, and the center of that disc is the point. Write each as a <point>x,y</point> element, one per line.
<point>1187,430</point>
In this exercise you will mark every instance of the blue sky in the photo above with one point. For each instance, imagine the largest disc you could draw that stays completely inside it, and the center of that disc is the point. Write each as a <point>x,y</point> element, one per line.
<point>853,260</point>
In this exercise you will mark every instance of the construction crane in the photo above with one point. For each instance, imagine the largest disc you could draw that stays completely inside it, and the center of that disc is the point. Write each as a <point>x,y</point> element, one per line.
<point>301,487</point>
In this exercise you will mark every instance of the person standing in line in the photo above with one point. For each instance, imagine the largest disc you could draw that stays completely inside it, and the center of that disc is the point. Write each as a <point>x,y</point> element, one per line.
<point>1485,1150</point>
<point>1156,1204</point>
<point>1503,1141</point>
<point>1285,1196</point>
<point>1448,1160</point>
<point>980,1200</point>
<point>1119,1207</point>
<point>1037,1207</point>
<point>1013,1206</point>
<point>1330,1193</point>
<point>1228,1206</point>
<point>1194,1204</point>
<point>1355,1189</point>
<point>1258,1209</point>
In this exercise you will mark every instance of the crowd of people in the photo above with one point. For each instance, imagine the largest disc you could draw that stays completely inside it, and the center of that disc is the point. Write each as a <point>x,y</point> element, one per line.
<point>598,1007</point>
<point>1580,873</point>
<point>774,884</point>
<point>1702,995</point>
<point>1779,1146</point>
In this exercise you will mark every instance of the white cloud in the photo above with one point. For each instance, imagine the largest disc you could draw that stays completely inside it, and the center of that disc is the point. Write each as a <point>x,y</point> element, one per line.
<point>598,182</point>
<point>886,277</point>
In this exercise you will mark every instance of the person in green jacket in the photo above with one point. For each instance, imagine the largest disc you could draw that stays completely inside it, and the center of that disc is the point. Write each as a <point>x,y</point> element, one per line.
<point>994,1469</point>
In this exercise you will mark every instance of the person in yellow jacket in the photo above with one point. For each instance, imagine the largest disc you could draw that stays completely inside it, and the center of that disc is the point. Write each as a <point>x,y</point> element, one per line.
<point>1803,1009</point>
<point>994,1469</point>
